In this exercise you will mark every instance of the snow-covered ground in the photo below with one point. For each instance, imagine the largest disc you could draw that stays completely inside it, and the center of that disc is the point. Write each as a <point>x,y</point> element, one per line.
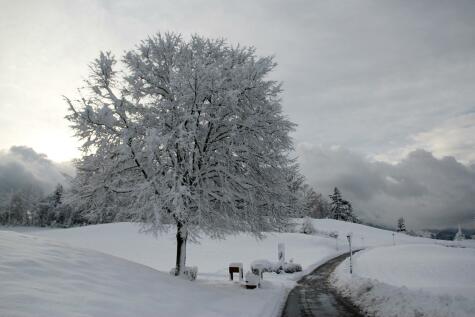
<point>60,273</point>
<point>41,277</point>
<point>212,256</point>
<point>411,280</point>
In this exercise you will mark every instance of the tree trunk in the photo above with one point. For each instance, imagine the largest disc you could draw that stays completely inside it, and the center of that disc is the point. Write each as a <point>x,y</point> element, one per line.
<point>181,236</point>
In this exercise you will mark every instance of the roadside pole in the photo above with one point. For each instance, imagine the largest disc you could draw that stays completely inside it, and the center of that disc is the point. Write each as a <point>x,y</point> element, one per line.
<point>348,236</point>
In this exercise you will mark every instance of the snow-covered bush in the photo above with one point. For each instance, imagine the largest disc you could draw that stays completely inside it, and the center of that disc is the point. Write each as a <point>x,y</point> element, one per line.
<point>252,280</point>
<point>291,226</point>
<point>264,266</point>
<point>292,267</point>
<point>307,226</point>
<point>190,272</point>
<point>276,267</point>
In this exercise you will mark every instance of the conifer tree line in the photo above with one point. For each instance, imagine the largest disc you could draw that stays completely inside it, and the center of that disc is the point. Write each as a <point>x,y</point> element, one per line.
<point>28,206</point>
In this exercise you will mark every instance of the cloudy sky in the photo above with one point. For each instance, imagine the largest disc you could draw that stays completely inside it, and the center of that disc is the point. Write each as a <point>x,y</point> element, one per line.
<point>382,91</point>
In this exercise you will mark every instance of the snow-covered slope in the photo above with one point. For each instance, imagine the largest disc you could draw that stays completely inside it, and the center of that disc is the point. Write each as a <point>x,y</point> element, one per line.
<point>411,280</point>
<point>212,256</point>
<point>56,272</point>
<point>41,277</point>
<point>364,236</point>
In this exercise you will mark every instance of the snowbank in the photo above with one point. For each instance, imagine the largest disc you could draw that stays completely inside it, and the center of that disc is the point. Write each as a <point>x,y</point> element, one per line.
<point>411,280</point>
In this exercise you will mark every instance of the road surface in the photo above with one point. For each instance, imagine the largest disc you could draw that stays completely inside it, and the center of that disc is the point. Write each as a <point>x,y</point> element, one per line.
<point>314,296</point>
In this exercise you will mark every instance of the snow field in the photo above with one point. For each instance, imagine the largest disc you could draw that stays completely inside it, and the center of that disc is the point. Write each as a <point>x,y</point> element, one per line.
<point>41,277</point>
<point>115,269</point>
<point>411,280</point>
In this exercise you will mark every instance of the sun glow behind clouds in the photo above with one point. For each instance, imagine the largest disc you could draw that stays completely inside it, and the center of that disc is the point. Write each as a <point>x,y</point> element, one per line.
<point>454,137</point>
<point>62,150</point>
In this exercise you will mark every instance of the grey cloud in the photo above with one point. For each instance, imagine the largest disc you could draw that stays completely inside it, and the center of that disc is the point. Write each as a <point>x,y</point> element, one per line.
<point>21,167</point>
<point>427,191</point>
<point>363,74</point>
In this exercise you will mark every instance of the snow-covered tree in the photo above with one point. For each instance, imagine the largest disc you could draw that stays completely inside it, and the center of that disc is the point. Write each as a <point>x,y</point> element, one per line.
<point>336,205</point>
<point>186,132</point>
<point>401,225</point>
<point>459,236</point>
<point>341,209</point>
<point>49,210</point>
<point>307,226</point>
<point>294,182</point>
<point>18,209</point>
<point>315,205</point>
<point>58,195</point>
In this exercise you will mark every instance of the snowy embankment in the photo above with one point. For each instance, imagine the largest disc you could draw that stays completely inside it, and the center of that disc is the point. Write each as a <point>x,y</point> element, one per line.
<point>411,280</point>
<point>60,273</point>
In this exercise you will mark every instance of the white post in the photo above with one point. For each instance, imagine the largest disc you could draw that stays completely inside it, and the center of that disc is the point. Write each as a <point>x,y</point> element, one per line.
<point>348,236</point>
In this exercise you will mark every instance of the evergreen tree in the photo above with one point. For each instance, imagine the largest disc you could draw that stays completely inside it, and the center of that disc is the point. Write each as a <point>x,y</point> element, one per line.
<point>401,225</point>
<point>336,209</point>
<point>52,211</point>
<point>341,209</point>
<point>58,195</point>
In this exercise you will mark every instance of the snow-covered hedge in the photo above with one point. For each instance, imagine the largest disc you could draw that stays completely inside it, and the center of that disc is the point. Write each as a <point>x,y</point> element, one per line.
<point>276,267</point>
<point>264,266</point>
<point>292,267</point>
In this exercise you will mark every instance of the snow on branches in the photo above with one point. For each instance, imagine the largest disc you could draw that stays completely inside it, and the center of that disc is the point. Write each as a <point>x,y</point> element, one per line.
<point>185,132</point>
